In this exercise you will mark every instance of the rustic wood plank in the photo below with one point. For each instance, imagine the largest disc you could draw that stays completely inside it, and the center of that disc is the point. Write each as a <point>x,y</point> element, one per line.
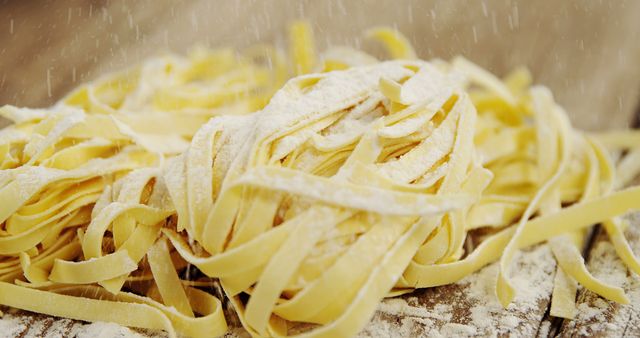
<point>25,324</point>
<point>598,317</point>
<point>470,307</point>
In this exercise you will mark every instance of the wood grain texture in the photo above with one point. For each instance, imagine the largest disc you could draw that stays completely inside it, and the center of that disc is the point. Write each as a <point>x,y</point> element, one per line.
<point>599,317</point>
<point>585,52</point>
<point>469,307</point>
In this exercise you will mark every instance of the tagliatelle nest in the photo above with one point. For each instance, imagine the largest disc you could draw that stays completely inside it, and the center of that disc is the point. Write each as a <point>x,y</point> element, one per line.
<point>352,184</point>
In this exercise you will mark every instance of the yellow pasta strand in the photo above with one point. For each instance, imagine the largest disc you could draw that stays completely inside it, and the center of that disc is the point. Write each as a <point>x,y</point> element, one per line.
<point>397,45</point>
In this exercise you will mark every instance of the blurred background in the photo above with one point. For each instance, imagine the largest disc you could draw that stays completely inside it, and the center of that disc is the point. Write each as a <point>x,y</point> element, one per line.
<point>586,51</point>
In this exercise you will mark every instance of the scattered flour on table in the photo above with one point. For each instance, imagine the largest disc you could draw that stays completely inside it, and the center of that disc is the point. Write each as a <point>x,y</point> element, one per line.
<point>106,330</point>
<point>545,329</point>
<point>24,325</point>
<point>473,308</point>
<point>597,315</point>
<point>11,326</point>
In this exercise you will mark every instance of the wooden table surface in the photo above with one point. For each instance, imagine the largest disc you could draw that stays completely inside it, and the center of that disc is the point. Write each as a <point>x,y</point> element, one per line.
<point>586,52</point>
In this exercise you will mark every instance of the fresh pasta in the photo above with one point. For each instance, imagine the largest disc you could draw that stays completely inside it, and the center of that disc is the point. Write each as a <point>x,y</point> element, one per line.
<point>309,186</point>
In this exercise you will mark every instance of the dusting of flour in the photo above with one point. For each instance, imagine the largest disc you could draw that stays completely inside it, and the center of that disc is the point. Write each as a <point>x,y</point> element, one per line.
<point>470,308</point>
<point>597,316</point>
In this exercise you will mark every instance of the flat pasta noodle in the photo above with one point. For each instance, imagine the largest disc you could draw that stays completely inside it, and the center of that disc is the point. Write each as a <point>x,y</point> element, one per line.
<point>308,186</point>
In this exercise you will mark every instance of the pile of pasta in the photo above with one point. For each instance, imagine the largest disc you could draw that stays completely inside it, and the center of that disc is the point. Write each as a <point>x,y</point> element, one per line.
<point>307,200</point>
